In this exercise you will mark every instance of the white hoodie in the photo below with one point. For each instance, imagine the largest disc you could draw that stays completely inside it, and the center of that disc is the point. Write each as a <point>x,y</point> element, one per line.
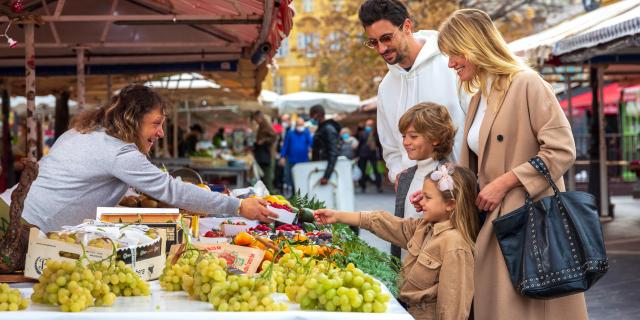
<point>428,80</point>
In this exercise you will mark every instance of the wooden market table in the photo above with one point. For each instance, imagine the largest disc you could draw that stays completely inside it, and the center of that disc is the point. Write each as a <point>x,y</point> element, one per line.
<point>163,305</point>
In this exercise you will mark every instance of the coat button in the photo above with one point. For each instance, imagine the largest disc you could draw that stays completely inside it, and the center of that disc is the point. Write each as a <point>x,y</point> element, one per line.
<point>500,137</point>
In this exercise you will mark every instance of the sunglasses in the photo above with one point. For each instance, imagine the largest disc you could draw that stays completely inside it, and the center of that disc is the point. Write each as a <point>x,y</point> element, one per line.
<point>384,39</point>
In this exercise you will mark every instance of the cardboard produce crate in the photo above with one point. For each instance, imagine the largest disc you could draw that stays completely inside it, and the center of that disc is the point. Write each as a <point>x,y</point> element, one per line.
<point>244,259</point>
<point>167,219</point>
<point>147,261</point>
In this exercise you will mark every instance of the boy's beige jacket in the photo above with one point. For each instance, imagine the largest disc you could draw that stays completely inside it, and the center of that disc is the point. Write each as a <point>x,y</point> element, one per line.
<point>519,123</point>
<point>437,275</point>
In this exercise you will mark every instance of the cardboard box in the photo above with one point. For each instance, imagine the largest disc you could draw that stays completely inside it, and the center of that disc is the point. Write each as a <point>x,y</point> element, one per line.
<point>147,261</point>
<point>244,259</point>
<point>160,218</point>
<point>138,215</point>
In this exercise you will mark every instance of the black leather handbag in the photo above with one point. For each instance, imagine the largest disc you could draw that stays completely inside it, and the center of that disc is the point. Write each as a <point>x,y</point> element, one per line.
<point>553,247</point>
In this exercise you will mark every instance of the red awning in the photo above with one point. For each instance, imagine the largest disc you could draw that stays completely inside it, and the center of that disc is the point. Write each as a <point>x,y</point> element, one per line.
<point>583,101</point>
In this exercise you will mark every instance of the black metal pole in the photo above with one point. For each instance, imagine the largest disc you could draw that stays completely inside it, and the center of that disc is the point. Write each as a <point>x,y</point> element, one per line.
<point>594,137</point>
<point>62,114</point>
<point>8,172</point>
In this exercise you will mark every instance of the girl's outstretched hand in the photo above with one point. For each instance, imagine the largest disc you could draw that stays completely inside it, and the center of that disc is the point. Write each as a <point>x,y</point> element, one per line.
<point>415,199</point>
<point>325,216</point>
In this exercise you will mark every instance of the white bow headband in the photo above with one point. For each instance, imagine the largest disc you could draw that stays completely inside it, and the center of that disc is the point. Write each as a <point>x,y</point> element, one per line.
<point>442,176</point>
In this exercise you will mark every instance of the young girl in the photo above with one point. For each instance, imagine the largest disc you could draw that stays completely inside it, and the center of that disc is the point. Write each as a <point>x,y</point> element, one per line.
<point>437,274</point>
<point>428,135</point>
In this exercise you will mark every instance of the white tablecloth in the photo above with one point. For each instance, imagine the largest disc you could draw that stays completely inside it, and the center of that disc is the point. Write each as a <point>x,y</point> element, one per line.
<point>178,306</point>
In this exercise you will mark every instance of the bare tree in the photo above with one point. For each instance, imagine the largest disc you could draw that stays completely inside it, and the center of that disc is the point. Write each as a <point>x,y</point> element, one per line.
<point>346,65</point>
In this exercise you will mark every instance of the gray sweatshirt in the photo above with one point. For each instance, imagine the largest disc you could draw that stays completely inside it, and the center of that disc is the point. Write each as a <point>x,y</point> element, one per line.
<point>85,171</point>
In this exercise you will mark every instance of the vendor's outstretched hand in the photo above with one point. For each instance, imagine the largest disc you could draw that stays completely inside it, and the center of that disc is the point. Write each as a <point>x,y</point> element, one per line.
<point>255,209</point>
<point>326,216</point>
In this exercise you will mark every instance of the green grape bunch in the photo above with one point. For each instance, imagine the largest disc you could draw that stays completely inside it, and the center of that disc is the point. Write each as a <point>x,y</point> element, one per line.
<point>244,293</point>
<point>210,270</point>
<point>179,275</point>
<point>121,278</point>
<point>72,286</point>
<point>11,299</point>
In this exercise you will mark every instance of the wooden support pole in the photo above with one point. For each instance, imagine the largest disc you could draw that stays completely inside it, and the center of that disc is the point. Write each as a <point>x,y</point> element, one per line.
<point>176,128</point>
<point>80,78</point>
<point>186,106</point>
<point>30,92</point>
<point>602,145</point>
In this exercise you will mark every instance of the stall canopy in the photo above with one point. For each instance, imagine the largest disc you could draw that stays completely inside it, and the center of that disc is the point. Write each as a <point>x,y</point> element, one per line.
<point>586,31</point>
<point>302,101</point>
<point>605,42</point>
<point>226,41</point>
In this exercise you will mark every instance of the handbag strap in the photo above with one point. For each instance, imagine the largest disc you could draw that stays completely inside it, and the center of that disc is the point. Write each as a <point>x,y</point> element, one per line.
<point>541,167</point>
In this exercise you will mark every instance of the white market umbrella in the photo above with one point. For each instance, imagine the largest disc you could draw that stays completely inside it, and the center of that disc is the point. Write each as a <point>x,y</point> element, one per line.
<point>302,101</point>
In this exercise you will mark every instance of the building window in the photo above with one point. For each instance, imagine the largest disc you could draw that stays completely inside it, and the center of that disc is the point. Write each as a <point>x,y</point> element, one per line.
<point>283,50</point>
<point>278,84</point>
<point>307,6</point>
<point>308,43</point>
<point>335,40</point>
<point>309,82</point>
<point>337,5</point>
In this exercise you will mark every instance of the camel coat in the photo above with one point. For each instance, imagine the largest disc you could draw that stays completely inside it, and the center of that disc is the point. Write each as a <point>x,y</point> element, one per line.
<point>523,119</point>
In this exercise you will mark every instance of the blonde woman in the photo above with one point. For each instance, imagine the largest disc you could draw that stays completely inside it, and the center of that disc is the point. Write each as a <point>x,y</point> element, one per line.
<point>513,116</point>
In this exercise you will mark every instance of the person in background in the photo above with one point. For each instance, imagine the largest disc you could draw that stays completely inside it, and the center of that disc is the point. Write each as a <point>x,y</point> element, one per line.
<point>513,116</point>
<point>218,138</point>
<point>104,154</point>
<point>325,141</point>
<point>368,152</point>
<point>437,272</point>
<point>295,149</point>
<point>281,127</point>
<point>285,122</point>
<point>263,148</point>
<point>192,139</point>
<point>348,144</point>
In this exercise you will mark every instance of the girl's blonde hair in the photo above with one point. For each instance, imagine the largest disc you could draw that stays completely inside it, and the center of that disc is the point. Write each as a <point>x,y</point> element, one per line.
<point>464,218</point>
<point>434,122</point>
<point>472,34</point>
<point>123,117</point>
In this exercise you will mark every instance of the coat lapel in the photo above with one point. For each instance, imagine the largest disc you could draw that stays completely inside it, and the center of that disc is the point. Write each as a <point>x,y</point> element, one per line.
<point>496,99</point>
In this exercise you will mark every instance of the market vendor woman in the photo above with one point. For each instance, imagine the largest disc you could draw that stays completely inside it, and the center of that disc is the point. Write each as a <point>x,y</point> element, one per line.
<point>94,163</point>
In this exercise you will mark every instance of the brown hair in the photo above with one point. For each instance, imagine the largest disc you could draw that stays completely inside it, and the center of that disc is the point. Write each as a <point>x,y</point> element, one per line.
<point>123,117</point>
<point>465,190</point>
<point>434,122</point>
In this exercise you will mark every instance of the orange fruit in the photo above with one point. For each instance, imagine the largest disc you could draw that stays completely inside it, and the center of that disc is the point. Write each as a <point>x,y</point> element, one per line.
<point>243,239</point>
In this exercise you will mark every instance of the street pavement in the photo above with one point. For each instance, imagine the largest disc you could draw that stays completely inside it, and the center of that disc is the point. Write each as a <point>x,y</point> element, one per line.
<point>615,296</point>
